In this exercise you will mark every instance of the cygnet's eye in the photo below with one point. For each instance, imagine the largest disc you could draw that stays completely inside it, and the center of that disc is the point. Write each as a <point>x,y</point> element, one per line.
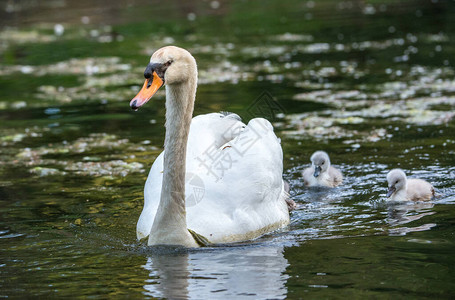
<point>396,182</point>
<point>323,162</point>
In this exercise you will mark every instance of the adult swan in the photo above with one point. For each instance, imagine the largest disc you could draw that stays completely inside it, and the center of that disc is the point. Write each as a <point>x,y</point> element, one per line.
<point>218,180</point>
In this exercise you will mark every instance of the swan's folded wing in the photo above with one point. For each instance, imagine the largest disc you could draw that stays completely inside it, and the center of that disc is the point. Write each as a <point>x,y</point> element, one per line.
<point>210,131</point>
<point>234,188</point>
<point>243,187</point>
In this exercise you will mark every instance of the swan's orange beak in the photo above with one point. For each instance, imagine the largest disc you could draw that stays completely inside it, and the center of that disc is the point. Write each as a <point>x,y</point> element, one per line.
<point>151,85</point>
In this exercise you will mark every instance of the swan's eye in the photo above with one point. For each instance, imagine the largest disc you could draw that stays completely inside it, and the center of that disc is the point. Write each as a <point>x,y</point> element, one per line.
<point>322,163</point>
<point>396,182</point>
<point>161,68</point>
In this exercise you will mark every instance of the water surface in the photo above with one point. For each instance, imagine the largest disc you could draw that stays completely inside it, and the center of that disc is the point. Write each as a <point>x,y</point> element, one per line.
<point>372,83</point>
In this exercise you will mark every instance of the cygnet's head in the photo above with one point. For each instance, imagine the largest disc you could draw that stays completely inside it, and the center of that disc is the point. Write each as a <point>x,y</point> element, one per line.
<point>321,162</point>
<point>169,65</point>
<point>396,180</point>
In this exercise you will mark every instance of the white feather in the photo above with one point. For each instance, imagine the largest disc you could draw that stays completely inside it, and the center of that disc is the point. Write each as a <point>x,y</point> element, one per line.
<point>243,192</point>
<point>217,176</point>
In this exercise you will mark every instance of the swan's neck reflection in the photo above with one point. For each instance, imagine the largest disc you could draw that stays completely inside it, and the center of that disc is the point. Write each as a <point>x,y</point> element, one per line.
<point>168,276</point>
<point>219,273</point>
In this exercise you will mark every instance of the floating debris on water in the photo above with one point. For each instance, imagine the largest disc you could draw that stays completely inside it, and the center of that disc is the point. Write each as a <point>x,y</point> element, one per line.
<point>112,168</point>
<point>111,158</point>
<point>292,37</point>
<point>13,35</point>
<point>42,172</point>
<point>419,101</point>
<point>10,136</point>
<point>74,66</point>
<point>349,111</point>
<point>224,71</point>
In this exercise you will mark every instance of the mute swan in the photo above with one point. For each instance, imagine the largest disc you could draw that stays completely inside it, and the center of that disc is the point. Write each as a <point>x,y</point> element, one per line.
<point>218,180</point>
<point>321,173</point>
<point>403,189</point>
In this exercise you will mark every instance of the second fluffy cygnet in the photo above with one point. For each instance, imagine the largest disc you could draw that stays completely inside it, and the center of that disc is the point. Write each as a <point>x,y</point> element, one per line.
<point>403,189</point>
<point>321,173</point>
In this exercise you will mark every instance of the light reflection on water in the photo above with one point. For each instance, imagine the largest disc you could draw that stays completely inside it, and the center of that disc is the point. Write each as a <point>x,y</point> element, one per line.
<point>259,270</point>
<point>376,96</point>
<point>230,273</point>
<point>332,213</point>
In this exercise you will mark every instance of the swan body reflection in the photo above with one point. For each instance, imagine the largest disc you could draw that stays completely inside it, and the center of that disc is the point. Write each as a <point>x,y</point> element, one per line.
<point>230,273</point>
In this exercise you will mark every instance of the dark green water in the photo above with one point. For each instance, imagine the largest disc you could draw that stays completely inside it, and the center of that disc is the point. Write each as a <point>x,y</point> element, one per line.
<point>370,82</point>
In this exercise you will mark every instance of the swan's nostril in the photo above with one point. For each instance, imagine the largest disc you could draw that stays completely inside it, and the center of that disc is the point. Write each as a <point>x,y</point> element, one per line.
<point>133,104</point>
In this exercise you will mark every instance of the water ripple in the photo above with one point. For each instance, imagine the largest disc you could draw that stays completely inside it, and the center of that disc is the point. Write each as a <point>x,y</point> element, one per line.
<point>342,211</point>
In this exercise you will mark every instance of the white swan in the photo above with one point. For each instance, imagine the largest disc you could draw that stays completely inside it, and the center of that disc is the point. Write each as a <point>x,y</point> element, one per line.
<point>217,177</point>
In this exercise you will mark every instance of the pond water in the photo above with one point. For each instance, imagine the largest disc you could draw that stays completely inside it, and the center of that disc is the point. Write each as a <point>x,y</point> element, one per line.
<point>370,82</point>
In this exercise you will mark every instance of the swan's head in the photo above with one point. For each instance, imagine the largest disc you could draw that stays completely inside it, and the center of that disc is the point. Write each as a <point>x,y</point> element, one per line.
<point>396,180</point>
<point>321,162</point>
<point>169,65</point>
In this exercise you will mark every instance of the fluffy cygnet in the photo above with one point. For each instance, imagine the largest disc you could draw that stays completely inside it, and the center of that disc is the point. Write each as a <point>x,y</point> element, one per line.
<point>403,189</point>
<point>321,173</point>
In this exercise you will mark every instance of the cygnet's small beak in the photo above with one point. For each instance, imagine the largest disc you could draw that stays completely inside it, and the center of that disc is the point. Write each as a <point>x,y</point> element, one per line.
<point>151,85</point>
<point>392,190</point>
<point>317,171</point>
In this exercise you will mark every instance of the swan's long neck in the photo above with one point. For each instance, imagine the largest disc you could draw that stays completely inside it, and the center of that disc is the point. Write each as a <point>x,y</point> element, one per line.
<point>169,226</point>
